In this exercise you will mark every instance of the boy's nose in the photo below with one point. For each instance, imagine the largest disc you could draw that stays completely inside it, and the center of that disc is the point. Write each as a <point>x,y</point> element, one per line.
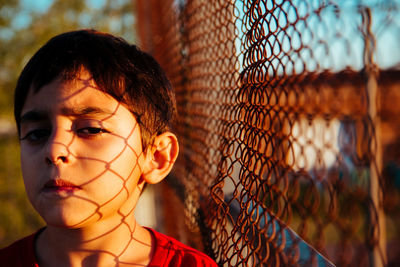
<point>58,155</point>
<point>57,149</point>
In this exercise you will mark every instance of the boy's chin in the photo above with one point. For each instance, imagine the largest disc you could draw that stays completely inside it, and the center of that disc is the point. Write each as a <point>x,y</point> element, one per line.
<point>70,221</point>
<point>62,224</point>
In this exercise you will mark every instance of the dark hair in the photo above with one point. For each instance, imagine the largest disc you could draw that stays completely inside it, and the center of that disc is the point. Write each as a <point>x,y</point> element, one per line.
<point>119,69</point>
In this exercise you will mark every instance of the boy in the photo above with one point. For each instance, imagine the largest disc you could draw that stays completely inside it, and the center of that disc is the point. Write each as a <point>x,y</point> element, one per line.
<point>94,119</point>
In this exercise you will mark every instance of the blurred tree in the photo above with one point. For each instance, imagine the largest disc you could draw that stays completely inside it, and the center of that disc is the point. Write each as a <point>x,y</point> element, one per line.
<point>24,27</point>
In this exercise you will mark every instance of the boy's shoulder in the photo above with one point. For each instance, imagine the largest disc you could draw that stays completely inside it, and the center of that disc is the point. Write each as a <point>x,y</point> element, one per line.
<point>20,253</point>
<point>170,252</point>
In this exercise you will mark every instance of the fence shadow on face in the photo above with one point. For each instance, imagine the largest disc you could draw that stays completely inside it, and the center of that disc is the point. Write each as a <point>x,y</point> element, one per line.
<point>94,173</point>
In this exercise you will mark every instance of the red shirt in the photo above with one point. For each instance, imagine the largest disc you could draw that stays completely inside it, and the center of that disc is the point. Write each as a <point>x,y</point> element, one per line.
<point>167,252</point>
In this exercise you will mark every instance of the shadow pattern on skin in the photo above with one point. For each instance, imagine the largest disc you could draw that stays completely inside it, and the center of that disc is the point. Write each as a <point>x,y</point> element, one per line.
<point>94,256</point>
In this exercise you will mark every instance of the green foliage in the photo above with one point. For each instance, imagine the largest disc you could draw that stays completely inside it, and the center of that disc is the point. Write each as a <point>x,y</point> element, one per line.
<point>18,44</point>
<point>23,30</point>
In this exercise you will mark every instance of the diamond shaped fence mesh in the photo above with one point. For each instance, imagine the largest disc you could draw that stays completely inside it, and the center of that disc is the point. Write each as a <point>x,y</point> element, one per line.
<point>288,126</point>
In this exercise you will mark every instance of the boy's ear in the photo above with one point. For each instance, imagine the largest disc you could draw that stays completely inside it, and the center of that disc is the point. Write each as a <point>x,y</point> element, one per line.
<point>160,157</point>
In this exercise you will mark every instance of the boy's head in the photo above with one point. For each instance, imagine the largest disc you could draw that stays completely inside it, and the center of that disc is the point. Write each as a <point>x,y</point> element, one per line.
<point>119,69</point>
<point>93,116</point>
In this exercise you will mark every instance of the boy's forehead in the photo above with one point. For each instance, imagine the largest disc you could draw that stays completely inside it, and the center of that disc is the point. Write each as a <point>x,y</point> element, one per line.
<point>68,82</point>
<point>72,94</point>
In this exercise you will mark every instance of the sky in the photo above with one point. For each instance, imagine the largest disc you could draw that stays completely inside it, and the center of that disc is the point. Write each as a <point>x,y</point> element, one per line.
<point>334,38</point>
<point>28,6</point>
<point>37,5</point>
<point>41,6</point>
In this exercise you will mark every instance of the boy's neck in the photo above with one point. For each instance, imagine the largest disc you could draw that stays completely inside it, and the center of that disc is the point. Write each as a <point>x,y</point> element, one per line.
<point>106,244</point>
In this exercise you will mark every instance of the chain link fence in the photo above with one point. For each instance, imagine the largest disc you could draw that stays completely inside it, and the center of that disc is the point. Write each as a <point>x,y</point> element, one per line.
<point>289,128</point>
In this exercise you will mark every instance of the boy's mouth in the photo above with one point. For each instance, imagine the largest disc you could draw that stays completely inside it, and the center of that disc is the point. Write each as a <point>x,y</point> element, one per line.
<point>59,185</point>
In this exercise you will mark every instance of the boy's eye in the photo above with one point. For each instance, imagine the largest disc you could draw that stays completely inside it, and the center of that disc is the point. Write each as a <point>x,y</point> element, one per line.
<point>36,135</point>
<point>89,128</point>
<point>91,131</point>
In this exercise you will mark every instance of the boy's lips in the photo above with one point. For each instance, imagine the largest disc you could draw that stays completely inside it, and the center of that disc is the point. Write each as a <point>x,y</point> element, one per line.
<point>59,185</point>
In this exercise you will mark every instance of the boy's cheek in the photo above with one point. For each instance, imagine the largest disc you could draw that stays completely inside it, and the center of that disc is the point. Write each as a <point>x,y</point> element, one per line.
<point>126,165</point>
<point>29,151</point>
<point>107,148</point>
<point>32,185</point>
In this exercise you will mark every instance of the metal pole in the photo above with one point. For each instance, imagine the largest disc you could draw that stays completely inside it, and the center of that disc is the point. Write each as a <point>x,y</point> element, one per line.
<point>377,215</point>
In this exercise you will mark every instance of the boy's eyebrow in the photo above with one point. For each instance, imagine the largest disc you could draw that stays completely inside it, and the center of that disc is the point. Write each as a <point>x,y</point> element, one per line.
<point>33,115</point>
<point>38,115</point>
<point>81,111</point>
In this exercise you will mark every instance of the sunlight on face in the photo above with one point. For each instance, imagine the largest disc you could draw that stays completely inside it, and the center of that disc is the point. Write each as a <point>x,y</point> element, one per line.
<point>81,154</point>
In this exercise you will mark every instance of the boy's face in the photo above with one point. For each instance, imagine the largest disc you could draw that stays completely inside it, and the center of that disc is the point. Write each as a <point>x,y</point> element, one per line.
<point>81,154</point>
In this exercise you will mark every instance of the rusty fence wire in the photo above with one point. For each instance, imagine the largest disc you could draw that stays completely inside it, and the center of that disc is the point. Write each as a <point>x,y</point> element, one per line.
<point>289,122</point>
